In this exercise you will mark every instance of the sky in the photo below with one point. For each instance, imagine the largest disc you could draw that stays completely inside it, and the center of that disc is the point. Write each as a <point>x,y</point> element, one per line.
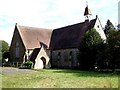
<point>52,14</point>
<point>119,12</point>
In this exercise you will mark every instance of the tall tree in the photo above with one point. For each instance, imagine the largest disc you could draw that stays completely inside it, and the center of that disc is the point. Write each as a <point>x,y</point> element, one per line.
<point>4,50</point>
<point>5,46</point>
<point>114,48</point>
<point>118,26</point>
<point>109,26</point>
<point>88,49</point>
<point>109,55</point>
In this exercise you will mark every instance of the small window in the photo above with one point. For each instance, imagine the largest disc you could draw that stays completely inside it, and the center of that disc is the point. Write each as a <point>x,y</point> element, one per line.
<point>70,56</point>
<point>59,56</point>
<point>98,26</point>
<point>17,50</point>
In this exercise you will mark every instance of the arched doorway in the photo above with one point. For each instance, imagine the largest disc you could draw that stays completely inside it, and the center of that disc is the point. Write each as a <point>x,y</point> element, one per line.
<point>44,61</point>
<point>40,63</point>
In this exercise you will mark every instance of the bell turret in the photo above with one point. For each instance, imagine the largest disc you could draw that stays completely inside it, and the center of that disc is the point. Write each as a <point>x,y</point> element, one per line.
<point>87,12</point>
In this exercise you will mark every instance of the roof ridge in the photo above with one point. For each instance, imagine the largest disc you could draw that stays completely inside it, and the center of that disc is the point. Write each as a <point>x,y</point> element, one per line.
<point>70,36</point>
<point>69,25</point>
<point>31,36</point>
<point>17,26</point>
<point>33,27</point>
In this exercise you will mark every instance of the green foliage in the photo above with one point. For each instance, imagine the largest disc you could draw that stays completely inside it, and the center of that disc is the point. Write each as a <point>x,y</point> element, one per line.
<point>91,38</point>
<point>6,55</point>
<point>0,51</point>
<point>0,58</point>
<point>95,53</point>
<point>113,38</point>
<point>5,46</point>
<point>28,64</point>
<point>101,56</point>
<point>109,26</point>
<point>88,49</point>
<point>113,48</point>
<point>109,56</point>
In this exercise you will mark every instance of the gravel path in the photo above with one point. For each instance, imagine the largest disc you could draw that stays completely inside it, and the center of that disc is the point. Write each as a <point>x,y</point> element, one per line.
<point>10,70</point>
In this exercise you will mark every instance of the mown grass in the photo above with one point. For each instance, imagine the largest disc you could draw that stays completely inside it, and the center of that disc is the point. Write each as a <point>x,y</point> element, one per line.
<point>60,78</point>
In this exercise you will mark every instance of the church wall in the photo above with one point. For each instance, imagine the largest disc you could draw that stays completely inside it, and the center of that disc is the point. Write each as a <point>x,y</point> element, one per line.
<point>38,61</point>
<point>14,60</point>
<point>99,29</point>
<point>66,58</point>
<point>27,55</point>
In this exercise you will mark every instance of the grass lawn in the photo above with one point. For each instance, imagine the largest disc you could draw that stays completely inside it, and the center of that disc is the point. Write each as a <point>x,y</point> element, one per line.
<point>60,78</point>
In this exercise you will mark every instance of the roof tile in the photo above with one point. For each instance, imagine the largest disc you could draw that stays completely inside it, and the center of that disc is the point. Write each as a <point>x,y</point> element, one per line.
<point>32,37</point>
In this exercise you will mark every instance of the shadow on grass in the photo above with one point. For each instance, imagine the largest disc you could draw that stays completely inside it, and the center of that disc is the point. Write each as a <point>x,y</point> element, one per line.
<point>80,73</point>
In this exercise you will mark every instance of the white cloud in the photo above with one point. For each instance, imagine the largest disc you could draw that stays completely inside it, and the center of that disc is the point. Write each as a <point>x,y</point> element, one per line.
<point>6,35</point>
<point>51,13</point>
<point>32,11</point>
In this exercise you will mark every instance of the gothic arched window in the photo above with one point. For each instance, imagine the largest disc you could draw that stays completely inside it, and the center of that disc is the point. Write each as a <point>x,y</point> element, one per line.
<point>59,56</point>
<point>17,50</point>
<point>70,55</point>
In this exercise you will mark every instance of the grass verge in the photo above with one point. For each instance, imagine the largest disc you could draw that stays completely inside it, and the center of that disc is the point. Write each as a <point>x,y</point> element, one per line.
<point>60,78</point>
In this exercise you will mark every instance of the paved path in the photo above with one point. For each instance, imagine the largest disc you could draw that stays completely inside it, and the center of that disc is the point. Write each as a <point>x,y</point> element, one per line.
<point>10,70</point>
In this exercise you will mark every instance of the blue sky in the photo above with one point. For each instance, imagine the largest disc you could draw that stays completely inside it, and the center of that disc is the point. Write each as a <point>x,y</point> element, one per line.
<point>52,13</point>
<point>119,13</point>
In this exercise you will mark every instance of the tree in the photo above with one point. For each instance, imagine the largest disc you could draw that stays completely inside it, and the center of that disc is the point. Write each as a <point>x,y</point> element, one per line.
<point>5,46</point>
<point>100,56</point>
<point>113,45</point>
<point>88,49</point>
<point>118,26</point>
<point>109,26</point>
<point>6,55</point>
<point>113,48</point>
<point>4,50</point>
<point>109,55</point>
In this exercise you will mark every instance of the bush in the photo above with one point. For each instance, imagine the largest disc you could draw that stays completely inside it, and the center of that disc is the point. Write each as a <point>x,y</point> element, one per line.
<point>28,64</point>
<point>5,64</point>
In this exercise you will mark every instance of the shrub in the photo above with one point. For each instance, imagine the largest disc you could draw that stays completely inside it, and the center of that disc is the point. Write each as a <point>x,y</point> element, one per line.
<point>28,64</point>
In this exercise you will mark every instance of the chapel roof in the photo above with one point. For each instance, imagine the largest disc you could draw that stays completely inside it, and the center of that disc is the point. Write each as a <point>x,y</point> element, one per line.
<point>32,36</point>
<point>34,54</point>
<point>70,36</point>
